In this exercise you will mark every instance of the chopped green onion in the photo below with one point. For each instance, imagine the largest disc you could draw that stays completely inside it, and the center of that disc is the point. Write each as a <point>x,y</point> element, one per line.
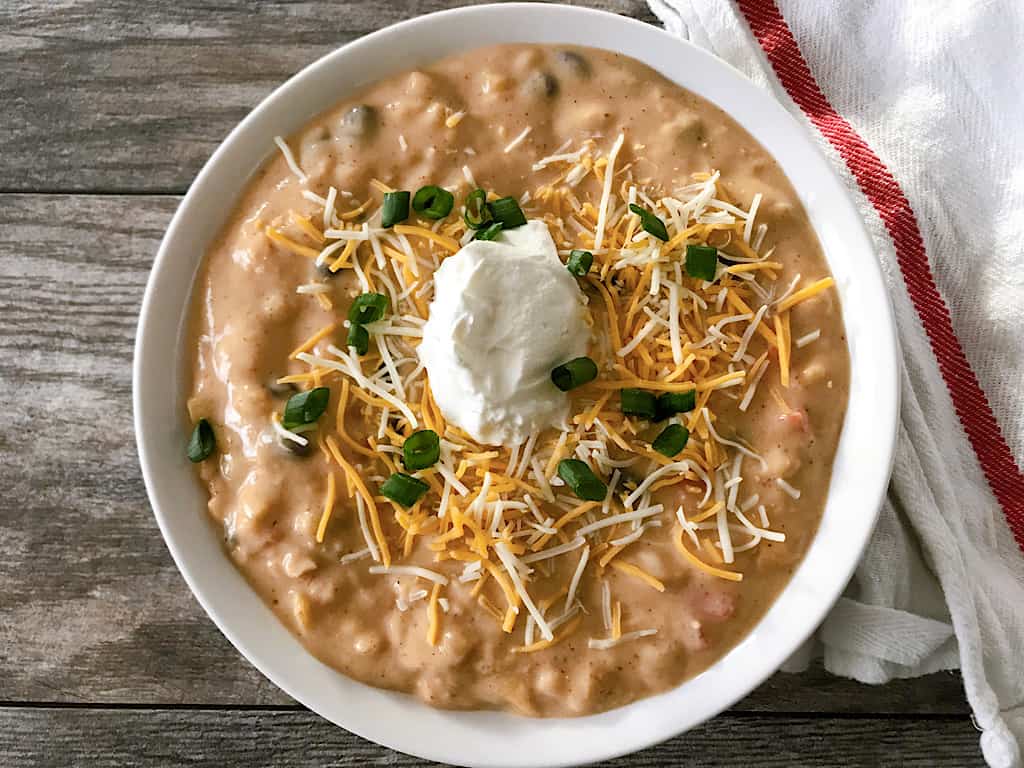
<point>404,489</point>
<point>305,407</point>
<point>672,440</point>
<point>358,338</point>
<point>477,212</point>
<point>368,308</point>
<point>671,403</point>
<point>202,442</point>
<point>581,479</point>
<point>579,262</point>
<point>574,373</point>
<point>639,402</point>
<point>701,261</point>
<point>421,449</point>
<point>489,232</point>
<point>507,211</point>
<point>396,208</point>
<point>651,223</point>
<point>433,202</point>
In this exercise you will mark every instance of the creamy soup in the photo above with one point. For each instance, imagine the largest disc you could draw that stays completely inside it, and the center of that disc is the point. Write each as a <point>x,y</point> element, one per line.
<point>454,524</point>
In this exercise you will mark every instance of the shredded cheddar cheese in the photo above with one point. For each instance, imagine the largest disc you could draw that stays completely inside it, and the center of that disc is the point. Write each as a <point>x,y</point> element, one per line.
<point>433,618</point>
<point>502,515</point>
<point>290,245</point>
<point>541,645</point>
<point>448,243</point>
<point>694,560</point>
<point>328,508</point>
<point>805,293</point>
<point>636,571</point>
<point>313,340</point>
<point>358,484</point>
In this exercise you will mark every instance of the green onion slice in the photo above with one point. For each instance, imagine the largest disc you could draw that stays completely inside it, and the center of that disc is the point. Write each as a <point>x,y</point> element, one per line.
<point>477,211</point>
<point>404,489</point>
<point>305,407</point>
<point>202,442</point>
<point>433,202</point>
<point>639,402</point>
<point>574,373</point>
<point>581,479</point>
<point>421,449</point>
<point>672,440</point>
<point>507,211</point>
<point>368,308</point>
<point>701,261</point>
<point>358,338</point>
<point>651,223</point>
<point>579,262</point>
<point>671,403</point>
<point>396,208</point>
<point>489,232</point>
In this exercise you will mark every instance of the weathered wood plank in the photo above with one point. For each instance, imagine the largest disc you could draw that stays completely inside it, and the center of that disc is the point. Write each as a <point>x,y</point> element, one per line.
<point>92,608</point>
<point>103,738</point>
<point>126,96</point>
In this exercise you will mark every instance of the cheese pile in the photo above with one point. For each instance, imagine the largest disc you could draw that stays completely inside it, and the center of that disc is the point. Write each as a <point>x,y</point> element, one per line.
<point>496,517</point>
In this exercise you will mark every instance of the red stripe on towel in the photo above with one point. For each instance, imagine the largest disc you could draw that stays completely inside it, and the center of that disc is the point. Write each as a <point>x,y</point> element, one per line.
<point>884,192</point>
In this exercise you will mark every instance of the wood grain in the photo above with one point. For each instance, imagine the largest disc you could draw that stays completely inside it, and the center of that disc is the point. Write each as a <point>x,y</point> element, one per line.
<point>93,609</point>
<point>104,738</point>
<point>122,96</point>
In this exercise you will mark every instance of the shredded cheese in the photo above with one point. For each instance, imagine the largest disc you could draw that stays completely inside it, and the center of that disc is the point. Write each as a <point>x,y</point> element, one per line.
<point>789,489</point>
<point>576,576</point>
<point>633,570</point>
<point>328,508</point>
<point>805,293</point>
<point>518,139</point>
<point>808,338</point>
<point>509,561</point>
<point>289,158</point>
<point>696,561</point>
<point>410,570</point>
<point>609,172</point>
<point>603,644</point>
<point>433,620</point>
<point>502,515</point>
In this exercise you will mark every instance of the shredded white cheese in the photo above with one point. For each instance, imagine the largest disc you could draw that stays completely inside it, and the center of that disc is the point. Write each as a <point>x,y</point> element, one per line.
<point>609,172</point>
<point>581,566</point>
<point>353,556</point>
<point>510,562</point>
<point>623,517</point>
<point>749,226</point>
<point>789,489</point>
<point>410,570</point>
<point>518,139</point>
<point>561,549</point>
<point>806,339</point>
<point>287,434</point>
<point>603,644</point>
<point>289,158</point>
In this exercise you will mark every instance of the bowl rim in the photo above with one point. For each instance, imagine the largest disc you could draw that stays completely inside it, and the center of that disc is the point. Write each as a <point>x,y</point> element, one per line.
<point>493,738</point>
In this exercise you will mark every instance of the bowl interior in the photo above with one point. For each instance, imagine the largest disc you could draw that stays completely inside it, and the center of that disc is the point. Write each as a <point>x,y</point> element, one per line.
<point>489,738</point>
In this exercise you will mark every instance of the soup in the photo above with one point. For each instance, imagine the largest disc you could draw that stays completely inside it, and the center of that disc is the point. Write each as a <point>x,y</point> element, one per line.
<point>551,446</point>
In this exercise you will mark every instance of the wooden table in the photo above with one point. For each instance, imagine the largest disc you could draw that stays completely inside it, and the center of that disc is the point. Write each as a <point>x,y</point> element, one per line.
<point>108,111</point>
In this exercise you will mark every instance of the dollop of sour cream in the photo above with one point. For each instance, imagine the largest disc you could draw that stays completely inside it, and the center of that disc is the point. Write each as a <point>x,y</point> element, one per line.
<point>505,312</point>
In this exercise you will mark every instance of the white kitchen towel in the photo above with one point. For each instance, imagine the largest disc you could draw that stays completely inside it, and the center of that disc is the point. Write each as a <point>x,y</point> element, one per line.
<point>919,105</point>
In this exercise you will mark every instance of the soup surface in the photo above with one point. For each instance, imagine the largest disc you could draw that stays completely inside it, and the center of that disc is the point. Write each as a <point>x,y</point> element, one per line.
<point>497,583</point>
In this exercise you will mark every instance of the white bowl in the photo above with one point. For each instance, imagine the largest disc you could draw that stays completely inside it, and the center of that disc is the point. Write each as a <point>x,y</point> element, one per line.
<point>491,738</point>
